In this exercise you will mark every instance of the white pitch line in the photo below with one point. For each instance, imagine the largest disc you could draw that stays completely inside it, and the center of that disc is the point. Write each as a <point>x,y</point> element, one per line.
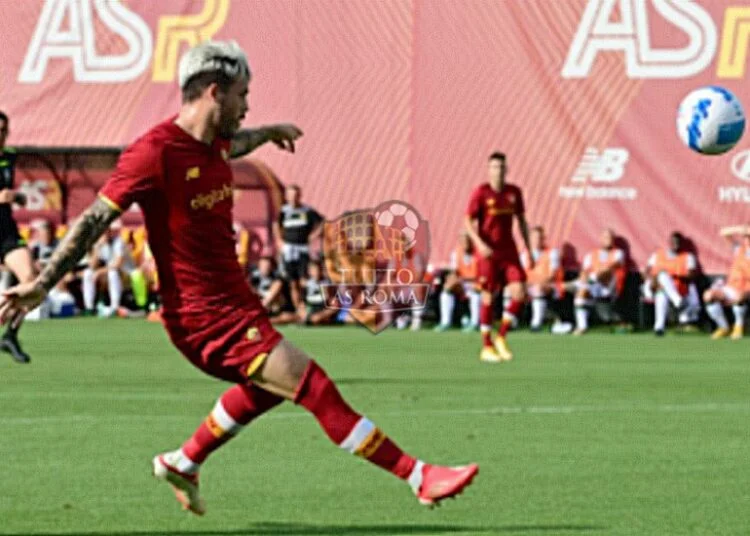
<point>708,407</point>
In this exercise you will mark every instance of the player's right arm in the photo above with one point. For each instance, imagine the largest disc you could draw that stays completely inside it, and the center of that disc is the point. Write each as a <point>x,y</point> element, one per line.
<point>471,223</point>
<point>137,174</point>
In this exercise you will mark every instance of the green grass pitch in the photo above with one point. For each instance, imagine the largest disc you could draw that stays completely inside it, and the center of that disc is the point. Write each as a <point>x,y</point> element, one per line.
<point>603,434</point>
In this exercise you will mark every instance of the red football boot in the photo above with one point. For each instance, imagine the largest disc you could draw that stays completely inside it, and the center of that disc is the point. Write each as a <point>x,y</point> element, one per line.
<point>439,482</point>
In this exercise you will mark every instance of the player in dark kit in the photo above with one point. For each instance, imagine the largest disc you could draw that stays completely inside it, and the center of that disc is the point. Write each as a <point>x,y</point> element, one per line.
<point>179,175</point>
<point>489,222</point>
<point>13,251</point>
<point>297,225</point>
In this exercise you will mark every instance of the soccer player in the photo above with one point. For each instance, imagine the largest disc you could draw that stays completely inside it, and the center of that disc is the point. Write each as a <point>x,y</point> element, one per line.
<point>110,266</point>
<point>178,172</point>
<point>296,226</point>
<point>544,278</point>
<point>736,290</point>
<point>460,282</point>
<point>317,314</point>
<point>669,278</point>
<point>489,223</point>
<point>602,278</point>
<point>13,251</point>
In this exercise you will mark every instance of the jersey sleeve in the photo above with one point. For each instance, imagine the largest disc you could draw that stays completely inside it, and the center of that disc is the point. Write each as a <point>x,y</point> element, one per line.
<point>315,218</point>
<point>138,173</point>
<point>474,210</point>
<point>619,257</point>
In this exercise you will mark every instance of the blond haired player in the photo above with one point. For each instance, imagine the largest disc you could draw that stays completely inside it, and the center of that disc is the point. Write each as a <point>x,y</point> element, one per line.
<point>736,290</point>
<point>544,276</point>
<point>669,279</point>
<point>602,278</point>
<point>209,309</point>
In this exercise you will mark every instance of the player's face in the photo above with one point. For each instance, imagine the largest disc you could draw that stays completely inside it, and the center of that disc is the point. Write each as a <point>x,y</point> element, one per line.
<point>292,196</point>
<point>265,267</point>
<point>608,239</point>
<point>313,271</point>
<point>465,242</point>
<point>232,108</point>
<point>496,170</point>
<point>3,133</point>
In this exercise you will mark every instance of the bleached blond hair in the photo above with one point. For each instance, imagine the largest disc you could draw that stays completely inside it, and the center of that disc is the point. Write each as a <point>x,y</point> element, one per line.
<point>224,59</point>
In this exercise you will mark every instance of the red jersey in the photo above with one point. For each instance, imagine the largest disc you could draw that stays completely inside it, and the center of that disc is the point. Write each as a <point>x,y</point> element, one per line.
<point>494,212</point>
<point>184,188</point>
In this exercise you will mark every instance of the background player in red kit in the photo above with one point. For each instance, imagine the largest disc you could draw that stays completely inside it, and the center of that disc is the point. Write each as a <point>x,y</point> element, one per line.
<point>178,173</point>
<point>489,222</point>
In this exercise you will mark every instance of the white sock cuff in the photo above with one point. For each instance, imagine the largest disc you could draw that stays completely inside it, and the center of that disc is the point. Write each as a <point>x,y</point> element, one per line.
<point>225,420</point>
<point>415,478</point>
<point>180,461</point>
<point>358,435</point>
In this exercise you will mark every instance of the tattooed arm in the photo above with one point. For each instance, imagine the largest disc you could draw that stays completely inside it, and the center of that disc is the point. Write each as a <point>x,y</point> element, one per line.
<point>84,233</point>
<point>247,140</point>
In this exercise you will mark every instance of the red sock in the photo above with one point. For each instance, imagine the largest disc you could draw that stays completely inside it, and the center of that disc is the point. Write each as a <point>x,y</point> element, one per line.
<point>512,311</point>
<point>349,430</point>
<point>485,321</point>
<point>236,408</point>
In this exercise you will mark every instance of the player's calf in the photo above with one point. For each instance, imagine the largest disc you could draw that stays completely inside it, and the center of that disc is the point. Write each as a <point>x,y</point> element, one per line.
<point>316,392</point>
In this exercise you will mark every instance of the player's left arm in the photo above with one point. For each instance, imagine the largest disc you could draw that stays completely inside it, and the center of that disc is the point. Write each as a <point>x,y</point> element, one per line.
<point>247,140</point>
<point>523,225</point>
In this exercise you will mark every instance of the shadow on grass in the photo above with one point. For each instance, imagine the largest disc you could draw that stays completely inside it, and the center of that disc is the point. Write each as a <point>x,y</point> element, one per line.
<point>300,529</point>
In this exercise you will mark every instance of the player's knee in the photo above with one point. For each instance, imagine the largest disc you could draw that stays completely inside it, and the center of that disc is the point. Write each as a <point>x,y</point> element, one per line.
<point>486,297</point>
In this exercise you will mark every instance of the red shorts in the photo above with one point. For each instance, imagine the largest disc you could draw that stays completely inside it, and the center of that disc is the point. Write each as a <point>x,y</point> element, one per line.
<point>230,343</point>
<point>494,272</point>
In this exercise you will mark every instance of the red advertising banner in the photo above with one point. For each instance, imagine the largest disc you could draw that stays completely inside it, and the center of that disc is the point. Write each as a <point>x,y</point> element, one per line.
<point>405,99</point>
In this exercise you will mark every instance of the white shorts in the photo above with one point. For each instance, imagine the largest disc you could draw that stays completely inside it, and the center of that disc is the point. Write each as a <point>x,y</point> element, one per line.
<point>597,290</point>
<point>729,294</point>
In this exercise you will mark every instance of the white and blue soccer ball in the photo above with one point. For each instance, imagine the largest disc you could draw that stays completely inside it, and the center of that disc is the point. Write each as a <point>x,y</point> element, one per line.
<point>710,120</point>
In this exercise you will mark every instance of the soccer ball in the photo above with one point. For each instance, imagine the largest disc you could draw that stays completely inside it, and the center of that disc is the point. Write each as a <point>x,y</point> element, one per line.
<point>397,215</point>
<point>710,120</point>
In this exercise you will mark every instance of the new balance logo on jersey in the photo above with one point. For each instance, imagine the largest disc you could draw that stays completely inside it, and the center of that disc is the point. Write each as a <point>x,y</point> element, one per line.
<point>193,173</point>
<point>607,166</point>
<point>595,173</point>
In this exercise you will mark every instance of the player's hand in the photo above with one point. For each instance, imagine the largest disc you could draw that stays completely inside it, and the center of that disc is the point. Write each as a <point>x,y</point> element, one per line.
<point>484,250</point>
<point>284,136</point>
<point>19,300</point>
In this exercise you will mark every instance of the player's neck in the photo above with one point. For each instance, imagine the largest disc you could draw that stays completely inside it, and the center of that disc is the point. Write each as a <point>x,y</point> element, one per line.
<point>196,124</point>
<point>497,187</point>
